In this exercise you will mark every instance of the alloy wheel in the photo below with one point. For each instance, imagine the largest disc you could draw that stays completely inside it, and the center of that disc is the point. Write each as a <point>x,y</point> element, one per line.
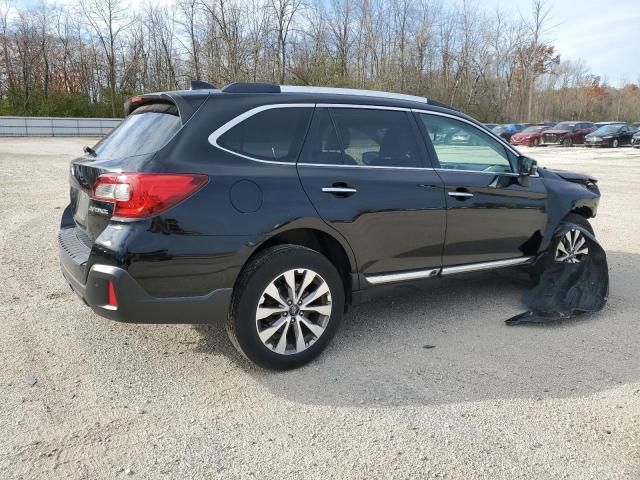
<point>572,247</point>
<point>293,311</point>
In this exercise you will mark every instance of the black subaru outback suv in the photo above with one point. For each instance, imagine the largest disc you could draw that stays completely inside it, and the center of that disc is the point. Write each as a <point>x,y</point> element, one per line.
<point>275,208</point>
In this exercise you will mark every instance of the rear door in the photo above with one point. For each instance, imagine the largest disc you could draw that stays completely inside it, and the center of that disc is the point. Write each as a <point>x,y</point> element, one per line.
<point>367,174</point>
<point>626,133</point>
<point>491,215</point>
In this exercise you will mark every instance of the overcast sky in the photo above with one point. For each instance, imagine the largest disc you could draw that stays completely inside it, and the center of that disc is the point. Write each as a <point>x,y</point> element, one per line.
<point>605,34</point>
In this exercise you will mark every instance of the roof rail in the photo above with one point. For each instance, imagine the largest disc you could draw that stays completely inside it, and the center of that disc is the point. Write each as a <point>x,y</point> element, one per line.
<point>242,87</point>
<point>200,85</point>
<point>352,91</point>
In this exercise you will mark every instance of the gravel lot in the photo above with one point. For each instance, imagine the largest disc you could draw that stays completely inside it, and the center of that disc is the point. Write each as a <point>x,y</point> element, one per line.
<point>85,397</point>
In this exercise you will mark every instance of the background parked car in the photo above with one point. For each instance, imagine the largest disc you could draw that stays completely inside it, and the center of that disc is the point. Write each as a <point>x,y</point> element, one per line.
<point>491,126</point>
<point>567,133</point>
<point>529,136</point>
<point>612,135</point>
<point>635,140</point>
<point>602,124</point>
<point>507,130</point>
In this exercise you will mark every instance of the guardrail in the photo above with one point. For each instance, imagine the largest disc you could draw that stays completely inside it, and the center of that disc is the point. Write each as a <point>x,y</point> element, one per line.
<point>56,126</point>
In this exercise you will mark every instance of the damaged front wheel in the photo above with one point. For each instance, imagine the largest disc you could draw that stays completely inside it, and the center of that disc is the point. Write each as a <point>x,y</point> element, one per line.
<point>572,247</point>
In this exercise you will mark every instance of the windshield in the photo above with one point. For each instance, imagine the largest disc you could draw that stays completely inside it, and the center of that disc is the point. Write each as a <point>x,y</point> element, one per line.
<point>565,126</point>
<point>607,129</point>
<point>146,130</point>
<point>533,129</point>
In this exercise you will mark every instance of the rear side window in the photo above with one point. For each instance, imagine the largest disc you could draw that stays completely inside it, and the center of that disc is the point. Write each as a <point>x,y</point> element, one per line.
<point>146,130</point>
<point>275,134</point>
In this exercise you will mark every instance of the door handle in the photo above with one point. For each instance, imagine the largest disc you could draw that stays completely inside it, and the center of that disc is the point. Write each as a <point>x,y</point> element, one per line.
<point>460,195</point>
<point>340,190</point>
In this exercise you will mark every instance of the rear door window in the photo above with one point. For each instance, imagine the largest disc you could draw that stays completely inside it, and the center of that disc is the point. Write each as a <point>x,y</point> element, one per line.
<point>146,130</point>
<point>377,138</point>
<point>275,134</point>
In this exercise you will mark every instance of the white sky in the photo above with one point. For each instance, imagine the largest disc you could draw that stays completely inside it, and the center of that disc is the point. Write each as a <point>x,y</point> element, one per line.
<point>605,34</point>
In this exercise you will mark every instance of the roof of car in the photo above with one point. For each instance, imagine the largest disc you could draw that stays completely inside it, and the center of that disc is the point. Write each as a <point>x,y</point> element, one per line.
<point>317,94</point>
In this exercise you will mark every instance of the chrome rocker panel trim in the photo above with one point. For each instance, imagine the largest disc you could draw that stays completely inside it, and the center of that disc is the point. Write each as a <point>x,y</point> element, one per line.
<point>434,272</point>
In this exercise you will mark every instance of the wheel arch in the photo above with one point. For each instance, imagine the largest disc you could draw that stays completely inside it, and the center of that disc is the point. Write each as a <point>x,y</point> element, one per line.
<point>334,249</point>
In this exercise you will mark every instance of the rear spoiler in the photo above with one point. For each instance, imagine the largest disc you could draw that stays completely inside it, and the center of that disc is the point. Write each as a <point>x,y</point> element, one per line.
<point>186,104</point>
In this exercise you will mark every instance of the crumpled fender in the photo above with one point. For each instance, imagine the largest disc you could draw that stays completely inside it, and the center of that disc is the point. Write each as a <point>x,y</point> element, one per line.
<point>565,290</point>
<point>567,194</point>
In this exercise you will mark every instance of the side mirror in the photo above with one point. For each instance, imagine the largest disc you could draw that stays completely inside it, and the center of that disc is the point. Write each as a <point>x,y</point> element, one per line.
<point>527,166</point>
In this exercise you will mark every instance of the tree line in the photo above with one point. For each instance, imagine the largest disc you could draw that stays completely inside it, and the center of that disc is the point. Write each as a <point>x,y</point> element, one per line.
<point>85,59</point>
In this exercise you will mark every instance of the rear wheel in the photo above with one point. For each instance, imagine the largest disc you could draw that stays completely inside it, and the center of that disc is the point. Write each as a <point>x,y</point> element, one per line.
<point>287,305</point>
<point>615,143</point>
<point>536,142</point>
<point>567,142</point>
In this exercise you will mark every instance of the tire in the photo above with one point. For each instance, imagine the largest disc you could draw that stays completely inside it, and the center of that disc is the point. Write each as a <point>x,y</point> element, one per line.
<point>251,300</point>
<point>567,142</point>
<point>536,142</point>
<point>576,219</point>
<point>615,143</point>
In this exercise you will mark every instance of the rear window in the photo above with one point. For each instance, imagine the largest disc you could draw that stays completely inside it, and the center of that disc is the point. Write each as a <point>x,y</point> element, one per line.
<point>275,134</point>
<point>146,130</point>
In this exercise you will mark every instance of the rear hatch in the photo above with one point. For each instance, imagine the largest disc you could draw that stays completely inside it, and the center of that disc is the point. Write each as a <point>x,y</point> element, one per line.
<point>128,148</point>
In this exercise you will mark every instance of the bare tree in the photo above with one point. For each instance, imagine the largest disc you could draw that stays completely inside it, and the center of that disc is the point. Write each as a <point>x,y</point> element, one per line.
<point>497,67</point>
<point>107,19</point>
<point>284,11</point>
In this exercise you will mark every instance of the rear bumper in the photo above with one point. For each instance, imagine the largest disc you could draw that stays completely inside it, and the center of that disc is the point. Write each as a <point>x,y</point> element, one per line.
<point>135,305</point>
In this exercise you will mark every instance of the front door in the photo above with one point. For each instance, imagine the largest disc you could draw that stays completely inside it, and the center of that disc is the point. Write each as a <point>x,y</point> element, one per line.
<point>491,213</point>
<point>363,170</point>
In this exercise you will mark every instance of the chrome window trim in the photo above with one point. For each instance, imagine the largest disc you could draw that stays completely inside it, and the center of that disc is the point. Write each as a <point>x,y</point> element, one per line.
<point>213,138</point>
<point>495,174</point>
<point>326,165</point>
<point>216,134</point>
<point>352,91</point>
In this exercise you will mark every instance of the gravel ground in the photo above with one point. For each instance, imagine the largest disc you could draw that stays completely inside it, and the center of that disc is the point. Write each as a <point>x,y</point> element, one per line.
<point>85,397</point>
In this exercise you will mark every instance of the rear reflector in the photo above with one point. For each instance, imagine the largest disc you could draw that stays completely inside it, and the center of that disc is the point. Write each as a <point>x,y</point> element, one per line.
<point>112,300</point>
<point>138,195</point>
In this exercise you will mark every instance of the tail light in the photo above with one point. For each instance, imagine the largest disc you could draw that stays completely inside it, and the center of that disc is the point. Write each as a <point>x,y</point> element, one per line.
<point>138,195</point>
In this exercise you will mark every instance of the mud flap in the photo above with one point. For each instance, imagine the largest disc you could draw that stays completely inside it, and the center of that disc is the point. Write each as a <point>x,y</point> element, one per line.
<point>566,290</point>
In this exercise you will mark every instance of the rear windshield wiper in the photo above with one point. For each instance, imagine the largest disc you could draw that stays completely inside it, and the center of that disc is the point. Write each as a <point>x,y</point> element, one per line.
<point>90,151</point>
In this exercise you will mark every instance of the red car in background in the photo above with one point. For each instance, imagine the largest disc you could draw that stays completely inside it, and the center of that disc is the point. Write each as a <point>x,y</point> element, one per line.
<point>529,136</point>
<point>567,133</point>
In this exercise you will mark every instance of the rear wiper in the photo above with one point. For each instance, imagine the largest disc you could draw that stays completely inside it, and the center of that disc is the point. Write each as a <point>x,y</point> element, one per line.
<point>90,151</point>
